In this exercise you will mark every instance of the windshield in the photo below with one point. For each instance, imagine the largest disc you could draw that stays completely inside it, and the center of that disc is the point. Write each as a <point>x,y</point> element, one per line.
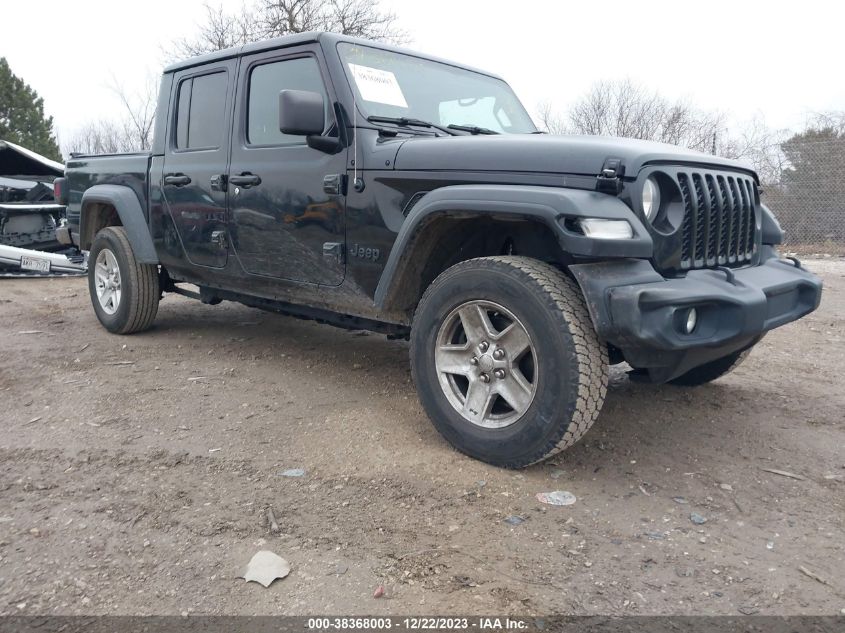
<point>389,84</point>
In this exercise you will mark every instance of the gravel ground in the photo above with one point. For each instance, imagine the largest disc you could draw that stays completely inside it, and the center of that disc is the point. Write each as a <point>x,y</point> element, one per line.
<point>136,473</point>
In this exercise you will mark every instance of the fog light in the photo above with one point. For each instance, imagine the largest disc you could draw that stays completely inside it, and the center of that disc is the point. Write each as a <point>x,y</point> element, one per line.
<point>692,320</point>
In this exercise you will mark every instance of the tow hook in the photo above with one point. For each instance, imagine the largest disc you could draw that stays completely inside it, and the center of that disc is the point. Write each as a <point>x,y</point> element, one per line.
<point>729,274</point>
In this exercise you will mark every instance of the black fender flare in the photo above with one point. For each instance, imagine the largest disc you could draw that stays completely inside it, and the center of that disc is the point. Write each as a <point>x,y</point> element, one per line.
<point>772,232</point>
<point>551,206</point>
<point>131,214</point>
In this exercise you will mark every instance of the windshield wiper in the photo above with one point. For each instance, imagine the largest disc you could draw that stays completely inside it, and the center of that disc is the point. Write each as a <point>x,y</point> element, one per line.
<point>402,121</point>
<point>472,129</point>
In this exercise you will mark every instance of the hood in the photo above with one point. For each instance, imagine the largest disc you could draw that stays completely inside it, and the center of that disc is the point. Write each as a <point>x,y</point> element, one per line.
<point>540,153</point>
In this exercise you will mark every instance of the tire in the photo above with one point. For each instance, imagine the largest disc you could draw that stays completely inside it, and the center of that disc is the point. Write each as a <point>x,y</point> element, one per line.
<point>709,372</point>
<point>538,401</point>
<point>133,303</point>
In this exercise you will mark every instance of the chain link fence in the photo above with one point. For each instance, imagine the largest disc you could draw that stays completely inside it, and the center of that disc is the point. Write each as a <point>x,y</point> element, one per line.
<point>809,197</point>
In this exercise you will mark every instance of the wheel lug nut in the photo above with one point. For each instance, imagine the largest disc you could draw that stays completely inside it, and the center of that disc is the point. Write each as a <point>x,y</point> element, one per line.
<point>500,373</point>
<point>499,354</point>
<point>484,346</point>
<point>485,378</point>
<point>473,361</point>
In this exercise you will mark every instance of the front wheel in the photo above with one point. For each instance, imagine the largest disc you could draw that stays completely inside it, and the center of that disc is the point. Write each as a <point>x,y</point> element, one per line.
<point>124,293</point>
<point>505,359</point>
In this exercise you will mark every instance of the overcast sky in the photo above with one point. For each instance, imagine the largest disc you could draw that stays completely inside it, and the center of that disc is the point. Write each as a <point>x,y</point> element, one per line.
<point>779,59</point>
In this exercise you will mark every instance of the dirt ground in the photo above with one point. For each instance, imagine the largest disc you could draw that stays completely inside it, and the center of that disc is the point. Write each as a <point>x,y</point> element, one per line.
<point>135,474</point>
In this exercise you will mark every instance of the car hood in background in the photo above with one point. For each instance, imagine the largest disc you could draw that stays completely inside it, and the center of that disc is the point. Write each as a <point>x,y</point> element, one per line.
<point>19,161</point>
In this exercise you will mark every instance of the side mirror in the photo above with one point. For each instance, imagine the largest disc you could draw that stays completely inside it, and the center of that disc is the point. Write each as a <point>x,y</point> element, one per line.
<point>301,113</point>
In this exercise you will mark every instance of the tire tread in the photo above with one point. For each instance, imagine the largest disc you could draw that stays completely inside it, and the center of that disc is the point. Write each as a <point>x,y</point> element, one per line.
<point>564,299</point>
<point>143,304</point>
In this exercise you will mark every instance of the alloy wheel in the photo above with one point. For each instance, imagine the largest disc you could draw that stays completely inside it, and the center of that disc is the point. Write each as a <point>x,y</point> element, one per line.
<point>486,364</point>
<point>107,281</point>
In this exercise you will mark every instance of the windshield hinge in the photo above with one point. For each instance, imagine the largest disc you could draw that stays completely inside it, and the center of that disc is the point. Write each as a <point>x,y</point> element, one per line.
<point>610,178</point>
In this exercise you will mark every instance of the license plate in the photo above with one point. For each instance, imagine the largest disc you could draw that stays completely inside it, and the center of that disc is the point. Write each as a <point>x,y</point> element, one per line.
<point>35,263</point>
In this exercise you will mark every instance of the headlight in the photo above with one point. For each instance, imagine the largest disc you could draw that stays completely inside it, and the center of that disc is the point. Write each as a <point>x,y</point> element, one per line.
<point>651,198</point>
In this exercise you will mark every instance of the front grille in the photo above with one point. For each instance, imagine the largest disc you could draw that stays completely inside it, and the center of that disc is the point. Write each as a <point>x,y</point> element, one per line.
<point>719,221</point>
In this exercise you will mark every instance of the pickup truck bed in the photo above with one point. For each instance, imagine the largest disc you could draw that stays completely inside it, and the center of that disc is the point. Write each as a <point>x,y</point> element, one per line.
<point>85,170</point>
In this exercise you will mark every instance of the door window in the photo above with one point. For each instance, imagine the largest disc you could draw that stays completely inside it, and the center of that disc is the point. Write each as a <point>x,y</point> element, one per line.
<point>265,83</point>
<point>201,112</point>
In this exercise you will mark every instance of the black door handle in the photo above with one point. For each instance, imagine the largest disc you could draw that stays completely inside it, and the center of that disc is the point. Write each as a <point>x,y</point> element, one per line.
<point>245,180</point>
<point>179,180</point>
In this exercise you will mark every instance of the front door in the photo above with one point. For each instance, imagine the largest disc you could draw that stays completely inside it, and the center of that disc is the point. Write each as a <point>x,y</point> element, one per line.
<point>196,161</point>
<point>283,223</point>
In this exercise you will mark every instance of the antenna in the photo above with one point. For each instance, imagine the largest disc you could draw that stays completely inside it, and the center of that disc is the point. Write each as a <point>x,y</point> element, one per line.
<point>354,139</point>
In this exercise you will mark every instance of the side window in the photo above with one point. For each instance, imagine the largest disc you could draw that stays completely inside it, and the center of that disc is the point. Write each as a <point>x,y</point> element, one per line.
<point>265,83</point>
<point>201,112</point>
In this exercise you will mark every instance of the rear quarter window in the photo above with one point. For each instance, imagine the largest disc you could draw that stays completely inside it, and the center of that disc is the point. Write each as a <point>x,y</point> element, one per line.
<point>201,111</point>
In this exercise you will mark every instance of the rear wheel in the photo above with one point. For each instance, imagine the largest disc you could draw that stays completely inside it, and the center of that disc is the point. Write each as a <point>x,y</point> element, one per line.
<point>709,372</point>
<point>505,359</point>
<point>124,293</point>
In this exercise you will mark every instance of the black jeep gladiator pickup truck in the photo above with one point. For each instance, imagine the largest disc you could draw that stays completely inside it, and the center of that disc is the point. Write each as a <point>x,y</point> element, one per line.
<point>374,188</point>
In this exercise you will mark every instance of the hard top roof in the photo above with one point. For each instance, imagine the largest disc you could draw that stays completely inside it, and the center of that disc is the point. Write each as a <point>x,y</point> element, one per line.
<point>304,38</point>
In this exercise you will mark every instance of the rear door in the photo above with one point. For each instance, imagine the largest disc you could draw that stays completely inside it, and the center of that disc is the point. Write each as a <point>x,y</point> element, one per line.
<point>196,160</point>
<point>284,224</point>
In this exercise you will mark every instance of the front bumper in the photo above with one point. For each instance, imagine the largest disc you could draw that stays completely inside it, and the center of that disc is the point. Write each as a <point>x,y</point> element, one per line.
<point>642,313</point>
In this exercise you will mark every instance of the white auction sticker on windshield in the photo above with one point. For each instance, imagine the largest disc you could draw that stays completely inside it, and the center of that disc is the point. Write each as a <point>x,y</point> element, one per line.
<point>378,86</point>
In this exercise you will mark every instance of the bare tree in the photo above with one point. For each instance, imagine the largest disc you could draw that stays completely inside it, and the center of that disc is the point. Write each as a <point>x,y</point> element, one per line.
<point>623,108</point>
<point>139,112</point>
<point>219,30</point>
<point>283,17</point>
<point>131,132</point>
<point>833,120</point>
<point>551,122</point>
<point>98,137</point>
<point>264,19</point>
<point>759,145</point>
<point>361,18</point>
